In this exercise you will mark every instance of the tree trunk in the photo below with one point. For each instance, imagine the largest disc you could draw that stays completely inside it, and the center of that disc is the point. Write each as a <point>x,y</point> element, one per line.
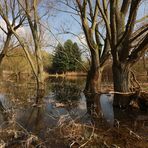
<point>6,47</point>
<point>147,74</point>
<point>121,80</point>
<point>93,105</point>
<point>40,72</point>
<point>93,81</point>
<point>39,61</point>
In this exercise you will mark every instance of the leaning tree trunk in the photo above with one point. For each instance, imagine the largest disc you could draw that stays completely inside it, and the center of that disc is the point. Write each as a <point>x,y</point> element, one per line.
<point>121,80</point>
<point>6,47</point>
<point>93,81</point>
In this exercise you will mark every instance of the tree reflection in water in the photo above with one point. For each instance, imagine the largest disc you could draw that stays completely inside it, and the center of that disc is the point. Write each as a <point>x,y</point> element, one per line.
<point>5,105</point>
<point>67,92</point>
<point>106,102</point>
<point>91,108</point>
<point>99,106</point>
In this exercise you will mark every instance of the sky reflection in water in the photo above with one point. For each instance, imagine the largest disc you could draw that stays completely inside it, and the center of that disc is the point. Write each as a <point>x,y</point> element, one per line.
<point>75,103</point>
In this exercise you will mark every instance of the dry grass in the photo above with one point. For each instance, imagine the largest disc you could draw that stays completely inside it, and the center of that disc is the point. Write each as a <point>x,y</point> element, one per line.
<point>70,132</point>
<point>77,135</point>
<point>15,136</point>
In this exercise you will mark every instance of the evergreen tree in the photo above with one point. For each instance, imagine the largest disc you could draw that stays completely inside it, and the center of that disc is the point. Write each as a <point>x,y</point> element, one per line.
<point>67,57</point>
<point>59,59</point>
<point>68,51</point>
<point>76,56</point>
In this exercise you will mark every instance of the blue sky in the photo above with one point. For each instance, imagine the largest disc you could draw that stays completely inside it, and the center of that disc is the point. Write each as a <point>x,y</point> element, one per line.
<point>66,21</point>
<point>61,20</point>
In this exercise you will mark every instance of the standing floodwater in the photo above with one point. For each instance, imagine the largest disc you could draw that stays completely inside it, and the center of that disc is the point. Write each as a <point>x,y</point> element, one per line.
<point>67,117</point>
<point>106,102</point>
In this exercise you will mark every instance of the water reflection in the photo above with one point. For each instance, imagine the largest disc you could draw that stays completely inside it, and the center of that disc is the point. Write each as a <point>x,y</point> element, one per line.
<point>5,106</point>
<point>106,102</point>
<point>100,106</point>
<point>66,90</point>
<point>5,103</point>
<point>69,94</point>
<point>36,120</point>
<point>89,107</point>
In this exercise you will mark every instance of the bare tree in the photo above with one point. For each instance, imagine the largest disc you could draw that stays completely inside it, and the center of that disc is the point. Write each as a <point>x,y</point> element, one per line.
<point>128,43</point>
<point>31,12</point>
<point>22,42</point>
<point>10,10</point>
<point>122,35</point>
<point>91,25</point>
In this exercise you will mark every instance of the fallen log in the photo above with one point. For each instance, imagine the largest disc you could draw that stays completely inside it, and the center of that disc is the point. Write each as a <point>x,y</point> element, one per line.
<point>143,101</point>
<point>136,99</point>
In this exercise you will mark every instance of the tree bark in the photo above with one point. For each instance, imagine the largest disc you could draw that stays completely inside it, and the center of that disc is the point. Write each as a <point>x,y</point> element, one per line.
<point>40,72</point>
<point>6,47</point>
<point>121,79</point>
<point>93,81</point>
<point>93,105</point>
<point>39,61</point>
<point>33,21</point>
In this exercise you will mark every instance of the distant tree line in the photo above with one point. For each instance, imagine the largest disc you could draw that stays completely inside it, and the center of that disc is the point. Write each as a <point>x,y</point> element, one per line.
<point>15,62</point>
<point>66,58</point>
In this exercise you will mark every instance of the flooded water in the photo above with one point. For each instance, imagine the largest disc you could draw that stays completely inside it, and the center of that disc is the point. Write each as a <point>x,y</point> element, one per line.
<point>64,106</point>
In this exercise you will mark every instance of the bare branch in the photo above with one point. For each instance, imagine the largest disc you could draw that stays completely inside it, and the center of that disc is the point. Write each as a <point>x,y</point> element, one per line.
<point>3,30</point>
<point>84,9</point>
<point>138,33</point>
<point>105,8</point>
<point>94,21</point>
<point>139,50</point>
<point>105,19</point>
<point>125,6</point>
<point>113,22</point>
<point>90,9</point>
<point>132,18</point>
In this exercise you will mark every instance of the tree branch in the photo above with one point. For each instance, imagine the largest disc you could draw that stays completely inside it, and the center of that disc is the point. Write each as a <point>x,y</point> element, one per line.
<point>130,23</point>
<point>138,33</point>
<point>125,6</point>
<point>90,9</point>
<point>113,23</point>
<point>95,17</point>
<point>132,18</point>
<point>139,50</point>
<point>105,8</point>
<point>105,20</point>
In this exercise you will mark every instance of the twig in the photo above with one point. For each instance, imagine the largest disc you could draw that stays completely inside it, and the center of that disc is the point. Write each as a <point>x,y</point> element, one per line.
<point>89,138</point>
<point>133,133</point>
